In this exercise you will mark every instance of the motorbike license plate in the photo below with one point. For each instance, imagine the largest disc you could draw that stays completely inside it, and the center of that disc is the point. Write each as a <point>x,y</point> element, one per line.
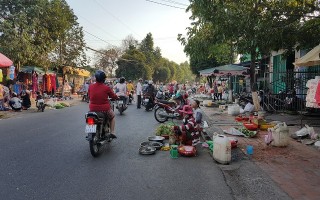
<point>91,128</point>
<point>120,102</point>
<point>146,100</point>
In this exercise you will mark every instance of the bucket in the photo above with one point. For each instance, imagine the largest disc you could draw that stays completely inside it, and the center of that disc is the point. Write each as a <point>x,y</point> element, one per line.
<point>249,149</point>
<point>174,151</point>
<point>222,149</point>
<point>280,135</point>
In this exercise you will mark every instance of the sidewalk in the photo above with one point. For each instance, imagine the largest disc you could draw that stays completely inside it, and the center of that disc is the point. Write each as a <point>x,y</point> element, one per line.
<point>296,168</point>
<point>10,114</point>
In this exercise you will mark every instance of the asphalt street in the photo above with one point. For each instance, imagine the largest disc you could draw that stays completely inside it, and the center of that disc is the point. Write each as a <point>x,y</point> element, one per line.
<point>45,156</point>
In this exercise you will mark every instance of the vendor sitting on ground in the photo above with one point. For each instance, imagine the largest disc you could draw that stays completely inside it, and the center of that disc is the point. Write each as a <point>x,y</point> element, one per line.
<point>188,133</point>
<point>25,96</point>
<point>15,102</point>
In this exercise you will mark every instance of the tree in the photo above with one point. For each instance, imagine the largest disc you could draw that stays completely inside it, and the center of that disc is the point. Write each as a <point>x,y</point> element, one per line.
<point>132,65</point>
<point>129,41</point>
<point>106,59</point>
<point>37,30</point>
<point>254,26</point>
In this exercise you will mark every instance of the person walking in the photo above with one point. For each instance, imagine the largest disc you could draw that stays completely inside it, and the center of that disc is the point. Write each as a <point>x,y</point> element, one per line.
<point>139,92</point>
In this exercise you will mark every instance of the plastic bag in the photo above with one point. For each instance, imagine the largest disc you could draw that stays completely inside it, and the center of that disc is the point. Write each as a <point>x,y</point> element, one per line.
<point>268,138</point>
<point>233,131</point>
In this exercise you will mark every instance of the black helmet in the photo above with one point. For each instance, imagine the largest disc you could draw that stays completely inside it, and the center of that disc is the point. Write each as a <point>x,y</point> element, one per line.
<point>100,76</point>
<point>122,80</point>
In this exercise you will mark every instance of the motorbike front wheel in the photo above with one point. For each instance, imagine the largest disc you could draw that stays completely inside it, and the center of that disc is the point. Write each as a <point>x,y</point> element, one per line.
<point>94,146</point>
<point>158,116</point>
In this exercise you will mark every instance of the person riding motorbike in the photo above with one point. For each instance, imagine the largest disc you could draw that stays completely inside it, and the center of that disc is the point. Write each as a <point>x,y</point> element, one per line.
<point>151,91</point>
<point>121,89</point>
<point>130,91</point>
<point>99,95</point>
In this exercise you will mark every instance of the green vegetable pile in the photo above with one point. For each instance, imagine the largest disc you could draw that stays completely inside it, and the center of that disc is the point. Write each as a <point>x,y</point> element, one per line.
<point>58,106</point>
<point>247,132</point>
<point>164,129</point>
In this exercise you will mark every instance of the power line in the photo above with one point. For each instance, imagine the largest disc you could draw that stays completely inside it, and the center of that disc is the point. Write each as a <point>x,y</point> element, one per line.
<point>98,27</point>
<point>99,38</point>
<point>117,19</point>
<point>105,54</point>
<point>175,2</point>
<point>166,4</point>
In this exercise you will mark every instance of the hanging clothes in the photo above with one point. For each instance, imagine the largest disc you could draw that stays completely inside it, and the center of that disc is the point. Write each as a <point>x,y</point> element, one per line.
<point>35,82</point>
<point>48,86</point>
<point>1,75</point>
<point>11,72</point>
<point>44,82</point>
<point>53,82</point>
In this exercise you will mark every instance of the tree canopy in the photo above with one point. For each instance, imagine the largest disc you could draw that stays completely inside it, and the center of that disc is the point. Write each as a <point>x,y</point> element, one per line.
<point>41,32</point>
<point>250,27</point>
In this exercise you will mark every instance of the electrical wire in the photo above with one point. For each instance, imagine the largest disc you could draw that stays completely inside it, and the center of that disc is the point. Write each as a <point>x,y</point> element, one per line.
<point>116,18</point>
<point>99,38</point>
<point>105,54</point>
<point>165,4</point>
<point>175,2</point>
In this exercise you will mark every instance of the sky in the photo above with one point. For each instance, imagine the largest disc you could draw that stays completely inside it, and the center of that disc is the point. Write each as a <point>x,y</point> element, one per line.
<point>108,22</point>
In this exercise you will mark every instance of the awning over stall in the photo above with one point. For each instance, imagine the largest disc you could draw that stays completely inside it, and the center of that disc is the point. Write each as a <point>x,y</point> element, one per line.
<point>5,61</point>
<point>312,58</point>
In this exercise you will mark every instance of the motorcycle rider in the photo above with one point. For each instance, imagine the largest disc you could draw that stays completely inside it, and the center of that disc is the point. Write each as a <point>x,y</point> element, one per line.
<point>151,90</point>
<point>130,88</point>
<point>99,102</point>
<point>121,89</point>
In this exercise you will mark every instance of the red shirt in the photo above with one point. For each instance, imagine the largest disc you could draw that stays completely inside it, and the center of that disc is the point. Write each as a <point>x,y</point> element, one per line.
<point>98,94</point>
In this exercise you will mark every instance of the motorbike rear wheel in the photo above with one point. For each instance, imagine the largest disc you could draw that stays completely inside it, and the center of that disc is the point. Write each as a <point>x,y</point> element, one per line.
<point>158,117</point>
<point>95,148</point>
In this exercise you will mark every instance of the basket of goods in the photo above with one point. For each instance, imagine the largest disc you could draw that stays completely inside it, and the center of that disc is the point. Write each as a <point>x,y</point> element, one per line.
<point>251,126</point>
<point>164,130</point>
<point>247,133</point>
<point>187,150</point>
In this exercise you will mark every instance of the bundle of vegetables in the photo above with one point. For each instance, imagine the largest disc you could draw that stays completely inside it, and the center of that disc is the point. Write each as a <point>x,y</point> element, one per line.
<point>58,106</point>
<point>247,132</point>
<point>164,129</point>
<point>65,104</point>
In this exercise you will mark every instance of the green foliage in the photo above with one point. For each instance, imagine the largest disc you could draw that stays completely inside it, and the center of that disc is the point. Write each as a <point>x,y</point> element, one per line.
<point>164,129</point>
<point>251,26</point>
<point>40,32</point>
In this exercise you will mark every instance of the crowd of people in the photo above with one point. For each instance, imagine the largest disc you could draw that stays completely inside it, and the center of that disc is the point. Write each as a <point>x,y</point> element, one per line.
<point>10,100</point>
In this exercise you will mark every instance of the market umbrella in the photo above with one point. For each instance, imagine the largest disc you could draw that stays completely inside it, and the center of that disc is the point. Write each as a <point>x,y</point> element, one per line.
<point>5,61</point>
<point>30,69</point>
<point>312,58</point>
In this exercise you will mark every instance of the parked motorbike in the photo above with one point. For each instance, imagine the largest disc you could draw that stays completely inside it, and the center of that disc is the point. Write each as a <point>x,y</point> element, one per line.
<point>148,102</point>
<point>122,104</point>
<point>96,134</point>
<point>166,110</point>
<point>40,104</point>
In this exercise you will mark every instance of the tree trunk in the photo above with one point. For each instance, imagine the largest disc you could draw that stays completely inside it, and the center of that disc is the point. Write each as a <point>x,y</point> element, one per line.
<point>253,81</point>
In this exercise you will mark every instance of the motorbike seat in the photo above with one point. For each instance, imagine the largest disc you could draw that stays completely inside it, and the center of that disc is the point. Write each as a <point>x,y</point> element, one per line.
<point>99,115</point>
<point>166,102</point>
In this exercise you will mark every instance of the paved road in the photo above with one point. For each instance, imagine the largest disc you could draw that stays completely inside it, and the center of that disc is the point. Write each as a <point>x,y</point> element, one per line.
<point>45,156</point>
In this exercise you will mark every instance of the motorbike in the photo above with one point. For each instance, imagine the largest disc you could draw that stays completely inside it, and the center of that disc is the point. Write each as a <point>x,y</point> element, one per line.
<point>85,97</point>
<point>130,96</point>
<point>40,104</point>
<point>96,134</point>
<point>122,104</point>
<point>148,102</point>
<point>167,110</point>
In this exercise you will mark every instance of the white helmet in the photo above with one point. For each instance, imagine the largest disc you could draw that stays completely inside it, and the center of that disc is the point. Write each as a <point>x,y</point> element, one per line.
<point>150,82</point>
